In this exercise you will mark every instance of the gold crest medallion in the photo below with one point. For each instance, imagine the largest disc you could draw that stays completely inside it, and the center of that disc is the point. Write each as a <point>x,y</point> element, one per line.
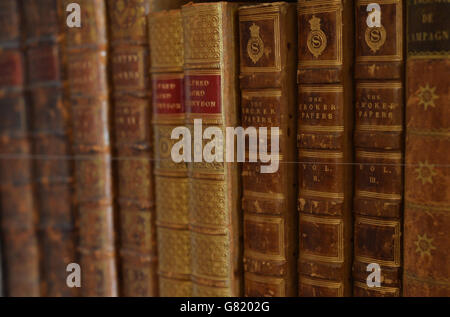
<point>317,40</point>
<point>375,38</point>
<point>255,45</point>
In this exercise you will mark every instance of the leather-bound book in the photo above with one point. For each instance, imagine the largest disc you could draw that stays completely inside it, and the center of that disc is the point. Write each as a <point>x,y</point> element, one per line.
<point>1,271</point>
<point>18,213</point>
<point>161,5</point>
<point>89,97</point>
<point>268,41</point>
<point>172,216</point>
<point>325,146</point>
<point>211,63</point>
<point>133,141</point>
<point>378,141</point>
<point>427,182</point>
<point>51,132</point>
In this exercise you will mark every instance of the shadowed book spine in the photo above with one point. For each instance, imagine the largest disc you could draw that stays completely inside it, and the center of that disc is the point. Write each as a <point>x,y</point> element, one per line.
<point>268,41</point>
<point>51,135</point>
<point>166,40</point>
<point>133,144</point>
<point>325,127</point>
<point>427,183</point>
<point>87,72</point>
<point>379,148</point>
<point>18,213</point>
<point>211,63</point>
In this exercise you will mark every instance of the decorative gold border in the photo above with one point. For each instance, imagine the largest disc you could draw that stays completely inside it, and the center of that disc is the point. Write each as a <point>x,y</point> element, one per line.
<point>383,85</point>
<point>312,128</point>
<point>397,243</point>
<point>398,57</point>
<point>367,194</point>
<point>276,93</point>
<point>214,9</point>
<point>324,154</point>
<point>340,243</point>
<point>320,283</point>
<point>326,195</point>
<point>378,128</point>
<point>277,42</point>
<point>324,88</point>
<point>278,282</point>
<point>313,8</point>
<point>270,196</point>
<point>391,290</point>
<point>380,155</point>
<point>281,255</point>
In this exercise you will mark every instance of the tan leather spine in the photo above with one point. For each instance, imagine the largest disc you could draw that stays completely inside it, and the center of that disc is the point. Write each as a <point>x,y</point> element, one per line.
<point>18,213</point>
<point>129,60</point>
<point>379,149</point>
<point>427,183</point>
<point>325,146</point>
<point>268,41</point>
<point>211,77</point>
<point>87,59</point>
<point>172,214</point>
<point>51,129</point>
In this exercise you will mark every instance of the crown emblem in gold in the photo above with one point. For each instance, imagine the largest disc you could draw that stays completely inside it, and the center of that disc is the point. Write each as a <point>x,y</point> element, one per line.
<point>255,45</point>
<point>424,245</point>
<point>317,40</point>
<point>314,23</point>
<point>254,30</point>
<point>427,96</point>
<point>425,172</point>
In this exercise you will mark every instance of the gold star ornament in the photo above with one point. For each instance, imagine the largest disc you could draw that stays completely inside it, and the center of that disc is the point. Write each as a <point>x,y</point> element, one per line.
<point>424,245</point>
<point>425,172</point>
<point>427,96</point>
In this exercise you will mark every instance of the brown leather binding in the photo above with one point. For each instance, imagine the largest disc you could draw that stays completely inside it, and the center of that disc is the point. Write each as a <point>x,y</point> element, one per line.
<point>378,140</point>
<point>166,40</point>
<point>427,183</point>
<point>18,213</point>
<point>51,132</point>
<point>268,38</point>
<point>211,61</point>
<point>134,147</point>
<point>325,151</point>
<point>89,97</point>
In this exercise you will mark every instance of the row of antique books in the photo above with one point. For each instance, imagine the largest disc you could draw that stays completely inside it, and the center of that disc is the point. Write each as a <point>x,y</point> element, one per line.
<point>360,202</point>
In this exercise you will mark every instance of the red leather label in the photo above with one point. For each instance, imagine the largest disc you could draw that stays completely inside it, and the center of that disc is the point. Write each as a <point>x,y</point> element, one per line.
<point>203,94</point>
<point>168,95</point>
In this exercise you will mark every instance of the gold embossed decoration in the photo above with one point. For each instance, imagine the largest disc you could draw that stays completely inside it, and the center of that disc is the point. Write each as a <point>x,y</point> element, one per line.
<point>427,96</point>
<point>125,13</point>
<point>255,46</point>
<point>425,173</point>
<point>375,38</point>
<point>317,40</point>
<point>424,245</point>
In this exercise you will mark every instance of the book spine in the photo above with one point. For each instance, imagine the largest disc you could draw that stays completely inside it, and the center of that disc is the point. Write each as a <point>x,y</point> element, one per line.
<point>158,5</point>
<point>211,81</point>
<point>1,270</point>
<point>172,214</point>
<point>427,182</point>
<point>133,144</point>
<point>89,97</point>
<point>268,37</point>
<point>18,213</point>
<point>51,145</point>
<point>324,142</point>
<point>379,149</point>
